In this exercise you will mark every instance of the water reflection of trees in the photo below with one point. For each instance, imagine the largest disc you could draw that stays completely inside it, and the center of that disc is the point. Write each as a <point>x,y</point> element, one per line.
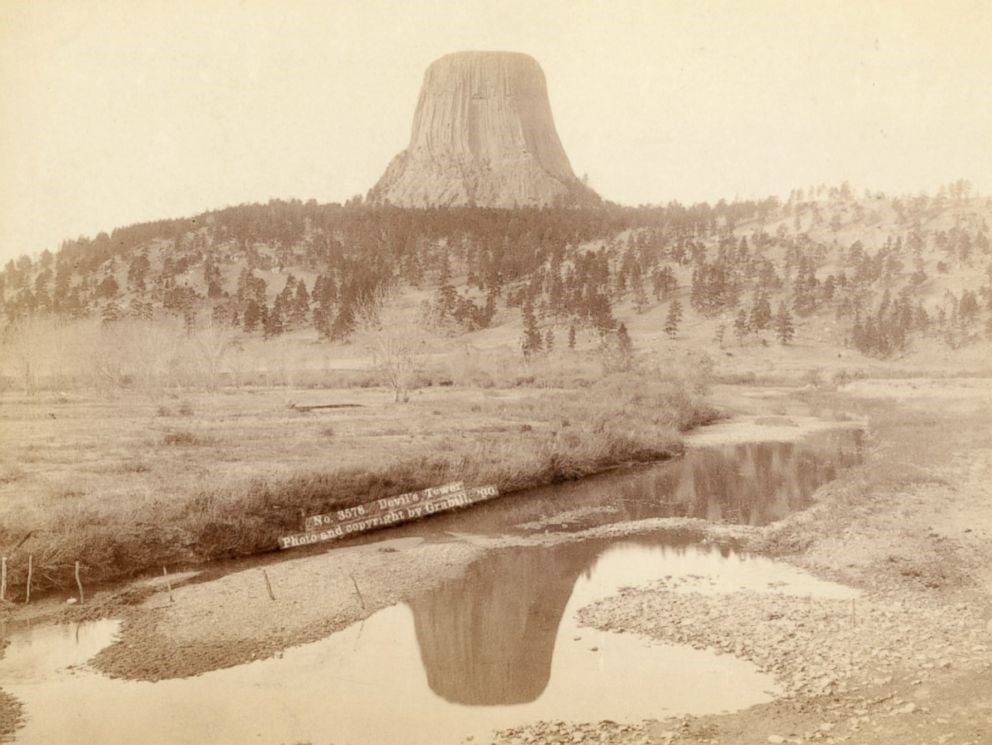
<point>751,483</point>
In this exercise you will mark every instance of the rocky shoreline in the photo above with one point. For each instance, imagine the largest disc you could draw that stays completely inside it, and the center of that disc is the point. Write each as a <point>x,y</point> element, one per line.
<point>812,646</point>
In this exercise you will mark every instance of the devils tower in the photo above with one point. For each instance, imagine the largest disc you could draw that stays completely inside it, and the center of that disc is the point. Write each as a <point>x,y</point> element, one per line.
<point>483,135</point>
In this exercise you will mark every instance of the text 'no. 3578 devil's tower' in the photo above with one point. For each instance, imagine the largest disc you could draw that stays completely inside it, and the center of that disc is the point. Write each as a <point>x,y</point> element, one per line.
<point>483,134</point>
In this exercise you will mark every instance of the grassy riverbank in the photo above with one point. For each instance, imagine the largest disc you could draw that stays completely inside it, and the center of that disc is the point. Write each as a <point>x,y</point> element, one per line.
<point>133,483</point>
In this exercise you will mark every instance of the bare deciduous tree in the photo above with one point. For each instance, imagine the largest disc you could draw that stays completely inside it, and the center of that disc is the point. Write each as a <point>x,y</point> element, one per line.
<point>22,343</point>
<point>213,343</point>
<point>398,336</point>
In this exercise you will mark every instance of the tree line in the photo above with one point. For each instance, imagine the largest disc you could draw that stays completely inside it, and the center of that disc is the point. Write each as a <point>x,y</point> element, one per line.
<point>267,269</point>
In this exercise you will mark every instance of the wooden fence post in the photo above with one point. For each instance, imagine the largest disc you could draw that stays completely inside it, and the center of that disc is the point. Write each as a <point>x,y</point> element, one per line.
<point>360,598</point>
<point>27,594</point>
<point>79,584</point>
<point>268,585</point>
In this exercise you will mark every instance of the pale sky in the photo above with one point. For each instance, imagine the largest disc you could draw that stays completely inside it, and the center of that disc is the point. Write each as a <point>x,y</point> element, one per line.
<point>122,111</point>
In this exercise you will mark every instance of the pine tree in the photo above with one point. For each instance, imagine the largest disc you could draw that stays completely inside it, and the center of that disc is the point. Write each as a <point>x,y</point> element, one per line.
<point>274,323</point>
<point>141,309</point>
<point>571,336</point>
<point>282,307</point>
<point>108,287</point>
<point>252,316</point>
<point>446,300</point>
<point>741,326</point>
<point>968,308</point>
<point>212,277</point>
<point>761,313</point>
<point>189,319</point>
<point>549,340</point>
<point>344,322</point>
<point>640,296</point>
<point>136,273</point>
<point>625,346</point>
<point>617,351</point>
<point>446,297</point>
<point>783,324</point>
<point>673,318</point>
<point>556,294</point>
<point>111,312</point>
<point>531,342</point>
<point>596,307</point>
<point>301,303</point>
<point>719,333</point>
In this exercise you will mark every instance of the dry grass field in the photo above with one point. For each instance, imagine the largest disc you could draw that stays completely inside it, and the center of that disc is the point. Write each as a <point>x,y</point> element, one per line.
<point>131,482</point>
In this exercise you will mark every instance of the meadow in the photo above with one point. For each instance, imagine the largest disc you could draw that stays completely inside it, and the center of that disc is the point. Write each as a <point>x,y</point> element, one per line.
<point>131,478</point>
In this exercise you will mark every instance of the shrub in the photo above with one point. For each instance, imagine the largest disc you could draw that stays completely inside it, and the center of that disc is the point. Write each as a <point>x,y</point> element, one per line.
<point>183,437</point>
<point>813,377</point>
<point>10,472</point>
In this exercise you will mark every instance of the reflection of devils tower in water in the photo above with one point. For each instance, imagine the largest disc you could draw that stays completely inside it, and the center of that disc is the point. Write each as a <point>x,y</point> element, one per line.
<point>483,134</point>
<point>488,637</point>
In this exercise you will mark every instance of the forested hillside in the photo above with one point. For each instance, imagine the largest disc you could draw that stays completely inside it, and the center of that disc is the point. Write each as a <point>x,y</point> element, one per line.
<point>883,270</point>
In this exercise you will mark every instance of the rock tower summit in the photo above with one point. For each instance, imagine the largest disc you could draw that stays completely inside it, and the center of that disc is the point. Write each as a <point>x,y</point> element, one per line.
<point>483,134</point>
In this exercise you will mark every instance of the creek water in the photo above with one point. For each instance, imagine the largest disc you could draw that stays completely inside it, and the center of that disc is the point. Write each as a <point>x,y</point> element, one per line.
<point>752,483</point>
<point>497,647</point>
